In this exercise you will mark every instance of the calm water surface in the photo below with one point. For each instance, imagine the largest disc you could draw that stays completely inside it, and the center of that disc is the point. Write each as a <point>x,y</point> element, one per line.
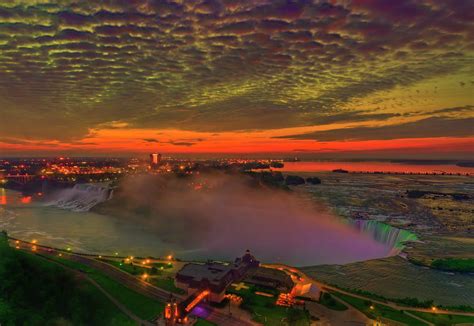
<point>375,166</point>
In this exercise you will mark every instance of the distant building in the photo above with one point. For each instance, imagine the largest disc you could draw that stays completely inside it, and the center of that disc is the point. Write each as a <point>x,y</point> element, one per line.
<point>213,276</point>
<point>155,159</point>
<point>270,278</point>
<point>306,290</point>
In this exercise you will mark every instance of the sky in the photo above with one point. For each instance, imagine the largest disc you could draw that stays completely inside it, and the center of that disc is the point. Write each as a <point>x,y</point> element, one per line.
<point>361,77</point>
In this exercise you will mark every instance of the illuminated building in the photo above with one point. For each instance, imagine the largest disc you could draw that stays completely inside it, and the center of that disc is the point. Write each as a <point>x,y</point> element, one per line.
<point>155,159</point>
<point>214,277</point>
<point>270,278</point>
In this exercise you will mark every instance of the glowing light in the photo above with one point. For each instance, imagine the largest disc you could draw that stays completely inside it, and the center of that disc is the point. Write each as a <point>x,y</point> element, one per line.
<point>34,241</point>
<point>145,276</point>
<point>26,200</point>
<point>170,257</point>
<point>434,308</point>
<point>168,311</point>
<point>196,300</point>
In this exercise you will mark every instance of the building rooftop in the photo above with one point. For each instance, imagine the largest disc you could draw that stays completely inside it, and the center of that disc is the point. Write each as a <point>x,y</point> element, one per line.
<point>215,276</point>
<point>210,271</point>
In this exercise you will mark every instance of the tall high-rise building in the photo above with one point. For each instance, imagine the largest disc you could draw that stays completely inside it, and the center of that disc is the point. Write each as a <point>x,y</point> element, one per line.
<point>155,159</point>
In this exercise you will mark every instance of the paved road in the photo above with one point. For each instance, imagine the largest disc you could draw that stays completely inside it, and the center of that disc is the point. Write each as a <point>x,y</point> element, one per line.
<point>137,284</point>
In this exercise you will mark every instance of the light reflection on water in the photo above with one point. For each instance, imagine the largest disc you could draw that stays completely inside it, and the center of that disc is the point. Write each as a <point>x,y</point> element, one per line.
<point>367,166</point>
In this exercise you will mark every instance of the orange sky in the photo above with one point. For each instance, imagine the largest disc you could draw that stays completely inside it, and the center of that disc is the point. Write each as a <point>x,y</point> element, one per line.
<point>266,76</point>
<point>124,140</point>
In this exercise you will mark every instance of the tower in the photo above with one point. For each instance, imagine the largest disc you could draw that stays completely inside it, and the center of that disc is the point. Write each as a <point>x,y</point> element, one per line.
<point>155,159</point>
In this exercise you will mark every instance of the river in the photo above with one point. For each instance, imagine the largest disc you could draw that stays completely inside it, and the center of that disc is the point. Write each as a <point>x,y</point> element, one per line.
<point>321,166</point>
<point>90,232</point>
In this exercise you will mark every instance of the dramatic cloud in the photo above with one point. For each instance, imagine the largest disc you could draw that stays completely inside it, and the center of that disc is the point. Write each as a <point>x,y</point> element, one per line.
<point>430,127</point>
<point>74,66</point>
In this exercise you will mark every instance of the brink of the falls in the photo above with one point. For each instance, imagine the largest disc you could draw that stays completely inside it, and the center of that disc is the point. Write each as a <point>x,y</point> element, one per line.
<point>392,237</point>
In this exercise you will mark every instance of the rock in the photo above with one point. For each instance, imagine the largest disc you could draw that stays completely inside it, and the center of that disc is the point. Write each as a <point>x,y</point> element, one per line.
<point>294,180</point>
<point>313,180</point>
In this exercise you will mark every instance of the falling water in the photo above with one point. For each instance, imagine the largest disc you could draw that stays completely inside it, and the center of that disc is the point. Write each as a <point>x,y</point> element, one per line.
<point>80,198</point>
<point>391,236</point>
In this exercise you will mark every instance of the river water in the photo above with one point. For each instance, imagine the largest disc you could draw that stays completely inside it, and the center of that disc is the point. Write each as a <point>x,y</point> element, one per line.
<point>90,232</point>
<point>368,166</point>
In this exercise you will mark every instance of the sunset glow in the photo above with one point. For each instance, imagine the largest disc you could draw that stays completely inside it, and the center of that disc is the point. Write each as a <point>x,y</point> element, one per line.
<point>84,77</point>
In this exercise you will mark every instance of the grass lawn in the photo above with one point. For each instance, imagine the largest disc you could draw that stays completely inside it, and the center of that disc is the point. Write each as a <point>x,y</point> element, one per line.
<point>328,301</point>
<point>111,313</point>
<point>202,322</point>
<point>454,264</point>
<point>40,292</point>
<point>133,269</point>
<point>163,265</point>
<point>166,284</point>
<point>441,319</point>
<point>142,306</point>
<point>264,310</point>
<point>378,311</point>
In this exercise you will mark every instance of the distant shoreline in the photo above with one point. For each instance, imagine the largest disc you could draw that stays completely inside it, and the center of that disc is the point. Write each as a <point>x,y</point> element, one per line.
<point>389,167</point>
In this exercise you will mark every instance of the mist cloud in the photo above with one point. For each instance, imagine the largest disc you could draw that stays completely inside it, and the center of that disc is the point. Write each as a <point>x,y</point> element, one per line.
<point>220,216</point>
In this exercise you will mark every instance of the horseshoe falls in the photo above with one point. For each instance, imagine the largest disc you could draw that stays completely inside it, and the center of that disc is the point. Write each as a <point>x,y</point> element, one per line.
<point>392,237</point>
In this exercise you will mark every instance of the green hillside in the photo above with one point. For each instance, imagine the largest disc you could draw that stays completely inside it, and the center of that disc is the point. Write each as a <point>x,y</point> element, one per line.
<point>34,291</point>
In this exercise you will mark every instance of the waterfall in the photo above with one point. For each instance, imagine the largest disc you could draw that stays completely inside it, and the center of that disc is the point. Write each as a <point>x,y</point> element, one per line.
<point>391,236</point>
<point>81,197</point>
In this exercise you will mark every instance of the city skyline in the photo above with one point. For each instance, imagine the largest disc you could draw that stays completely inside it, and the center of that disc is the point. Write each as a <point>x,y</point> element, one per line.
<point>342,78</point>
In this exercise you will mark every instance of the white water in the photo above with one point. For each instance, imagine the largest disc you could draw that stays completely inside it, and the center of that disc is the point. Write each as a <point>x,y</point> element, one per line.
<point>80,198</point>
<point>386,234</point>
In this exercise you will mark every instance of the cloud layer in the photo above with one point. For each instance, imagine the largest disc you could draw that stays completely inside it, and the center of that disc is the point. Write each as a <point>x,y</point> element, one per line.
<point>222,65</point>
